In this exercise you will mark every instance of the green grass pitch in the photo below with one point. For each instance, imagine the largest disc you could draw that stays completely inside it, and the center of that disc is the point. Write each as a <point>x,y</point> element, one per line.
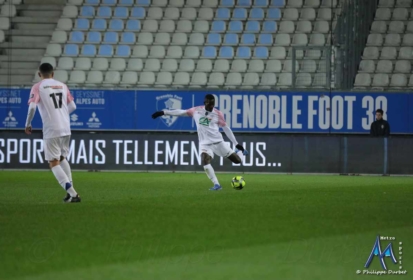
<point>171,227</point>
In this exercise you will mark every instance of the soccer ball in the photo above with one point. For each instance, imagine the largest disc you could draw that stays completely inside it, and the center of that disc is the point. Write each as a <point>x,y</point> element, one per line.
<point>238,182</point>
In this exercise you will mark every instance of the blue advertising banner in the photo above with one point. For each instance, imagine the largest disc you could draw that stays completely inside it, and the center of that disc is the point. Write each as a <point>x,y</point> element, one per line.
<point>308,112</point>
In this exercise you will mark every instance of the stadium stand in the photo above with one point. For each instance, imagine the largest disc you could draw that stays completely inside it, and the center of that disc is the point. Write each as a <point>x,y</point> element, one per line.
<point>387,58</point>
<point>228,43</point>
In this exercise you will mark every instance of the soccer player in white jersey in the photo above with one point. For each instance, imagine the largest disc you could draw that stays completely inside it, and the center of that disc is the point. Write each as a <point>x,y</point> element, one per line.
<point>208,121</point>
<point>55,103</point>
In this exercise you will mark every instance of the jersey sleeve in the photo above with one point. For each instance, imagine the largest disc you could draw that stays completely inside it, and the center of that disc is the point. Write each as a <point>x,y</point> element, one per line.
<point>34,94</point>
<point>221,119</point>
<point>191,111</point>
<point>69,96</point>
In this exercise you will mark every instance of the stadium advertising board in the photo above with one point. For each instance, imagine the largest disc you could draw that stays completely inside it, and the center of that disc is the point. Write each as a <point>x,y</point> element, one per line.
<point>307,112</point>
<point>180,152</point>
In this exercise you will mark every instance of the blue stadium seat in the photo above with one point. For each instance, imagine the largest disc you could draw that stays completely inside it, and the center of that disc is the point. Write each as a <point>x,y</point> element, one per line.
<point>243,52</point>
<point>223,13</point>
<point>240,13</point>
<point>126,2</point>
<point>94,37</point>
<point>99,24</point>
<point>71,50</point>
<point>213,39</point>
<point>92,2</point>
<point>143,2</point>
<point>128,38</point>
<point>210,52</point>
<point>112,38</point>
<point>133,25</point>
<point>218,26</point>
<point>88,50</point>
<point>227,3</point>
<point>226,52</point>
<point>109,2</point>
<point>81,24</point>
<point>252,26</point>
<point>277,3</point>
<point>235,26</point>
<point>231,39</point>
<point>274,14</point>
<point>121,12</point>
<point>261,3</point>
<point>104,12</point>
<point>244,3</point>
<point>116,24</point>
<point>76,37</point>
<point>87,11</point>
<point>265,39</point>
<point>248,39</point>
<point>138,12</point>
<point>269,27</point>
<point>123,50</point>
<point>257,13</point>
<point>105,50</point>
<point>261,52</point>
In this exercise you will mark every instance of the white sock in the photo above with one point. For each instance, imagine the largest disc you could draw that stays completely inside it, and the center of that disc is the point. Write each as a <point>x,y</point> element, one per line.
<point>211,174</point>
<point>66,168</point>
<point>61,177</point>
<point>241,155</point>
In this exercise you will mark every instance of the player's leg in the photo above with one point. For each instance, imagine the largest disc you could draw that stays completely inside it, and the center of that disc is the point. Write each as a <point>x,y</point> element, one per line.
<point>224,150</point>
<point>63,161</point>
<point>206,158</point>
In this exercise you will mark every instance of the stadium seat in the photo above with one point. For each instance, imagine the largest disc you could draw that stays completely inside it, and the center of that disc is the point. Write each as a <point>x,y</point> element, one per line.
<point>77,77</point>
<point>309,66</point>
<point>68,12</point>
<point>143,3</point>
<point>176,3</point>
<point>299,40</point>
<point>134,64</point>
<point>398,80</point>
<point>268,80</point>
<point>121,12</point>
<point>317,40</point>
<point>321,27</point>
<point>146,79</point>
<point>235,27</point>
<point>129,79</point>
<point>303,80</point>
<point>123,51</point>
<point>274,14</point>
<point>167,26</point>
<point>216,80</point>
<point>94,78</point>
<point>312,3</point>
<point>83,63</point>
<point>169,65</point>
<point>189,13</point>
<point>400,14</point>
<point>150,25</point>
<point>277,3</point>
<point>57,37</point>
<point>184,26</point>
<point>256,14</point>
<point>218,26</point>
<point>308,14</point>
<point>100,64</point>
<point>328,3</point>
<point>162,39</point>
<point>261,52</point>
<point>221,65</point>
<point>92,2</point>
<point>265,39</point>
<point>105,51</point>
<point>61,76</point>
<point>253,27</point>
<point>69,50</point>
<point>222,14</point>
<point>201,26</point>
<point>289,14</point>
<point>248,39</point>
<point>86,11</point>
<point>278,53</point>
<point>380,80</point>
<point>408,40</point>
<point>370,53</point>
<point>205,14</point>
<point>261,3</point>
<point>226,52</point>
<point>287,26</point>
<point>145,38</point>
<point>244,3</point>
<point>157,52</point>
<point>209,52</point>
<point>181,39</point>
<point>231,39</point>
<point>155,13</point>
<point>406,53</point>
<point>159,3</point>
<point>117,64</point>
<point>402,66</point>
<point>65,24</point>
<point>80,24</point>
<point>109,2</point>
<point>152,65</point>
<point>193,3</point>
<point>295,3</point>
<point>227,3</point>
<point>239,14</point>
<point>52,60</point>
<point>116,25</point>
<point>392,40</point>
<point>171,13</point>
<point>388,53</point>
<point>367,66</point>
<point>386,3</point>
<point>362,80</point>
<point>383,14</point>
<point>288,66</point>
<point>138,13</point>
<point>191,52</point>
<point>282,40</point>
<point>239,65</point>
<point>164,79</point>
<point>256,66</point>
<point>396,27</point>
<point>104,12</point>
<point>65,63</point>
<point>243,52</point>
<point>232,80</point>
<point>374,40</point>
<point>128,38</point>
<point>140,51</point>
<point>126,2</point>
<point>176,52</point>
<point>409,28</point>
<point>273,65</point>
<point>324,14</point>
<point>384,66</point>
<point>187,65</point>
<point>213,39</point>
<point>93,37</point>
<point>181,79</point>
<point>98,24</point>
<point>210,3</point>
<point>285,80</point>
<point>112,78</point>
<point>198,79</point>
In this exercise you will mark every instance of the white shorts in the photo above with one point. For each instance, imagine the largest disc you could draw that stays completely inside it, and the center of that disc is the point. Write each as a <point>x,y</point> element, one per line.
<point>54,148</point>
<point>221,149</point>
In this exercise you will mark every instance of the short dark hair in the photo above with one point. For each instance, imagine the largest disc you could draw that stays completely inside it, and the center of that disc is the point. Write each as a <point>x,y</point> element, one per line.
<point>210,97</point>
<point>379,111</point>
<point>46,69</point>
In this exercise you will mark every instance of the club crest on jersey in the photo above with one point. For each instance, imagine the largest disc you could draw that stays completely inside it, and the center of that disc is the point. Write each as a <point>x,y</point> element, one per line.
<point>204,121</point>
<point>168,102</point>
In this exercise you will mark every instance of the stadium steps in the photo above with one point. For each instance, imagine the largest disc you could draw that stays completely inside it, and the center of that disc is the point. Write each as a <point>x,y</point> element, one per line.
<point>27,41</point>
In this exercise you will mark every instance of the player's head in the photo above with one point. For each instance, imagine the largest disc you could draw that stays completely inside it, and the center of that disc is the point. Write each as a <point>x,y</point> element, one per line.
<point>209,102</point>
<point>46,71</point>
<point>379,114</point>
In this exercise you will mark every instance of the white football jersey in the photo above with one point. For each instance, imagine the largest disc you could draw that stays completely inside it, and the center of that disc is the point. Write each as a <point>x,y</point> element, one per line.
<point>52,97</point>
<point>208,124</point>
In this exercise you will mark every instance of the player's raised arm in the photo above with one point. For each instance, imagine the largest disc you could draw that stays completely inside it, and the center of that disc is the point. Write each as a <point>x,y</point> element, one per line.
<point>178,113</point>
